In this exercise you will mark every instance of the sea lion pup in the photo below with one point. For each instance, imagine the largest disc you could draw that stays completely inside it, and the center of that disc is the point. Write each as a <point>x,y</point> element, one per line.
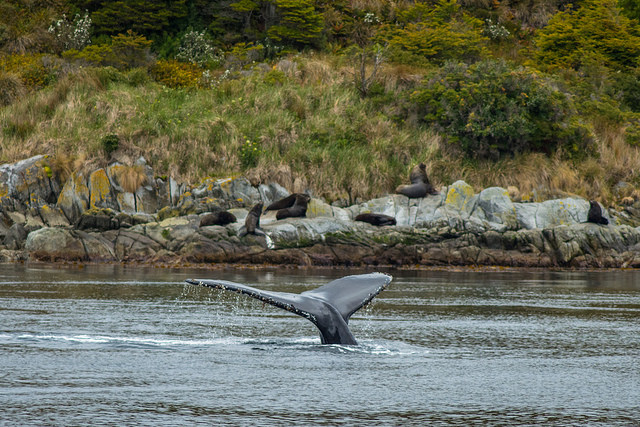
<point>298,209</point>
<point>217,218</point>
<point>595,213</point>
<point>252,222</point>
<point>420,185</point>
<point>376,219</point>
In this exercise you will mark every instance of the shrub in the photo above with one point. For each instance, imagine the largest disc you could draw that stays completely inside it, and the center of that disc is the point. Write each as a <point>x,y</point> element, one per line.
<point>594,32</point>
<point>125,51</point>
<point>72,34</point>
<point>197,48</point>
<point>176,74</point>
<point>29,68</point>
<point>249,153</point>
<point>491,109</point>
<point>427,33</point>
<point>110,143</point>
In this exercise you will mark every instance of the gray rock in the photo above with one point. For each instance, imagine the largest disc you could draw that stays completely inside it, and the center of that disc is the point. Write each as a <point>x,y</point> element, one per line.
<point>15,237</point>
<point>27,183</point>
<point>552,213</point>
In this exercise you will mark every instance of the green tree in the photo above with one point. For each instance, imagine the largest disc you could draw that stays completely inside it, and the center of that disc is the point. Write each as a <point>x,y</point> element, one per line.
<point>436,33</point>
<point>142,16</point>
<point>596,32</point>
<point>631,8</point>
<point>298,23</point>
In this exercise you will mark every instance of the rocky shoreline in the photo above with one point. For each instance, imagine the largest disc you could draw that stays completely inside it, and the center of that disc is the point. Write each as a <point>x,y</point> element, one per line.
<point>90,217</point>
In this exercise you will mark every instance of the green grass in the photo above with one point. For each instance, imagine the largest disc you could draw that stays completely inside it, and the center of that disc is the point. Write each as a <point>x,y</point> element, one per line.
<point>311,130</point>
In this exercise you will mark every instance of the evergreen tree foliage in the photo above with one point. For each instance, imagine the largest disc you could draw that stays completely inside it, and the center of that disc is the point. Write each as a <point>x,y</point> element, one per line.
<point>298,24</point>
<point>596,32</point>
<point>436,33</point>
<point>142,16</point>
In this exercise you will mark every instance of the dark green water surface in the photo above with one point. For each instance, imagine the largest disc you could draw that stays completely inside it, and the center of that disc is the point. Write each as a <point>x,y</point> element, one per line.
<point>135,346</point>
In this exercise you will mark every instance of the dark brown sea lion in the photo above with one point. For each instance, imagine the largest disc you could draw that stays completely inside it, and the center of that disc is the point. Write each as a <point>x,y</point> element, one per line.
<point>287,202</point>
<point>420,185</point>
<point>419,174</point>
<point>217,218</point>
<point>252,222</point>
<point>595,213</point>
<point>376,219</point>
<point>299,208</point>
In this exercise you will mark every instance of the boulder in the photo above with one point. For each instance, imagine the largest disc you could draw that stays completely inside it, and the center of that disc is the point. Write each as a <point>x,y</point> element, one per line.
<point>552,213</point>
<point>27,183</point>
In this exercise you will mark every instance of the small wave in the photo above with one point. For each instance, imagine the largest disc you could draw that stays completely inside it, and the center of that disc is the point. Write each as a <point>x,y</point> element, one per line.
<point>116,340</point>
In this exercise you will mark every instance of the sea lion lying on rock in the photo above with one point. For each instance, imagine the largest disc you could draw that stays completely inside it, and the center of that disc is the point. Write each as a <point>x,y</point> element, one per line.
<point>217,218</point>
<point>292,206</point>
<point>287,202</point>
<point>420,185</point>
<point>252,222</point>
<point>595,213</point>
<point>376,219</point>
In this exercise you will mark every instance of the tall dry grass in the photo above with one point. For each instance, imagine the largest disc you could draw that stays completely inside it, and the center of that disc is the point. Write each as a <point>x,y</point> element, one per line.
<point>311,130</point>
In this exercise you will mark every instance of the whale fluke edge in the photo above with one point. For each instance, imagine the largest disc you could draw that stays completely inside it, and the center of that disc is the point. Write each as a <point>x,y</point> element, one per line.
<point>329,307</point>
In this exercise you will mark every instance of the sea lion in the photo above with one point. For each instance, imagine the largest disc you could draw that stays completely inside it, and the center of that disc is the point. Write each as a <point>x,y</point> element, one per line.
<point>420,185</point>
<point>595,213</point>
<point>217,218</point>
<point>252,221</point>
<point>376,219</point>
<point>299,208</point>
<point>419,174</point>
<point>287,202</point>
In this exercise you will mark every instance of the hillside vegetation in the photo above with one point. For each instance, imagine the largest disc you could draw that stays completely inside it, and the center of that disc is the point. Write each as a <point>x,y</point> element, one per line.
<point>342,98</point>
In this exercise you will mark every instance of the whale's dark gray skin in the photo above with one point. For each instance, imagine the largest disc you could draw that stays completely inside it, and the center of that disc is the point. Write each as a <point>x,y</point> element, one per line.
<point>329,307</point>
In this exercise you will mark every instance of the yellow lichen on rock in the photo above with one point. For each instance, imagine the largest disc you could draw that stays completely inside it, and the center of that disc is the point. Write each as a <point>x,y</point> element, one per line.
<point>100,187</point>
<point>459,195</point>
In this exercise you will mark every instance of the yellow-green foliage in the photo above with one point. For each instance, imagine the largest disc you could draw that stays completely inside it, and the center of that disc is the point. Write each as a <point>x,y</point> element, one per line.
<point>29,67</point>
<point>594,32</point>
<point>176,74</point>
<point>93,54</point>
<point>125,51</point>
<point>434,33</point>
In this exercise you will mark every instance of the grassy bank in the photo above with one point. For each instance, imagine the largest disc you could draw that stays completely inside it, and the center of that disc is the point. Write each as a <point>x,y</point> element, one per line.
<point>305,128</point>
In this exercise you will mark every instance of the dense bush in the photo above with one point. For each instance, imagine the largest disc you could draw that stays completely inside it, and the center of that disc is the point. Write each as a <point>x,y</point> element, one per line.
<point>29,68</point>
<point>110,143</point>
<point>434,33</point>
<point>72,34</point>
<point>491,109</point>
<point>197,47</point>
<point>125,51</point>
<point>595,32</point>
<point>176,74</point>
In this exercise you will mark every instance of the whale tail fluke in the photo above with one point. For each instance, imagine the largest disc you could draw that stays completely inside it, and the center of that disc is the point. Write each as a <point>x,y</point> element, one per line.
<point>329,307</point>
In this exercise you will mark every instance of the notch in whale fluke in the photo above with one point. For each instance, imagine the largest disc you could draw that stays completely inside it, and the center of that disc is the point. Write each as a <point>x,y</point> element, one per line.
<point>329,307</point>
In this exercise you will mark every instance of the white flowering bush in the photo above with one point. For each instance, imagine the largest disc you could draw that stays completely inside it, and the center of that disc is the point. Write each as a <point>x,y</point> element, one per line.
<point>495,31</point>
<point>74,34</point>
<point>196,47</point>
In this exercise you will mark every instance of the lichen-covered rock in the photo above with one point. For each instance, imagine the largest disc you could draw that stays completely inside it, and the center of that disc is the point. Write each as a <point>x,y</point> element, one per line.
<point>497,207</point>
<point>101,192</point>
<point>27,183</point>
<point>75,197</point>
<point>552,213</point>
<point>234,191</point>
<point>460,196</point>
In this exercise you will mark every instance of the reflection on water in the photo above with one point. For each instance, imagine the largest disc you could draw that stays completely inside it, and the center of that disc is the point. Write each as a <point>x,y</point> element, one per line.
<point>110,345</point>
